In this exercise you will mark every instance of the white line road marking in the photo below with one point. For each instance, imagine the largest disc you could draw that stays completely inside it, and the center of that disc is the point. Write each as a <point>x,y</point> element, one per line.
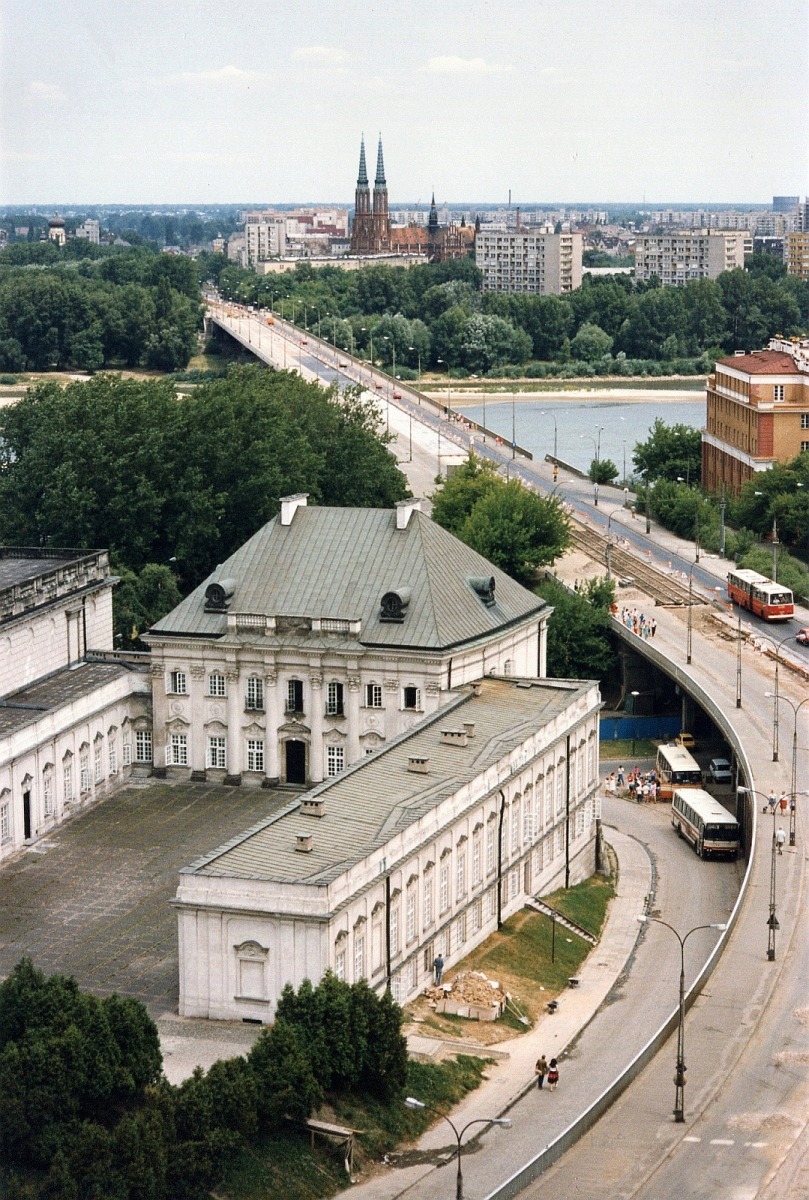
<point>756,1145</point>
<point>722,1142</point>
<point>692,1139</point>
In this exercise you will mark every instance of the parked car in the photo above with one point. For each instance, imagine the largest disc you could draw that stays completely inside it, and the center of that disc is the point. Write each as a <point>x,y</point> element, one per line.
<point>802,636</point>
<point>719,769</point>
<point>685,739</point>
<point>397,395</point>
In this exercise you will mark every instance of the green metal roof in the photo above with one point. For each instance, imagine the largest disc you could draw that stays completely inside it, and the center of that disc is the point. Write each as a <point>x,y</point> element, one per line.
<point>378,797</point>
<point>337,563</point>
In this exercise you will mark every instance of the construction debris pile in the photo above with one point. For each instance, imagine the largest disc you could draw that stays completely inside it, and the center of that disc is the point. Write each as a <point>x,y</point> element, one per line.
<point>470,994</point>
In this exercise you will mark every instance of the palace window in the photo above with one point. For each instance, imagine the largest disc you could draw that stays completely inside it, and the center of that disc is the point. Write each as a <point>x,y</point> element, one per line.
<point>804,420</point>
<point>778,393</point>
<point>443,896</point>
<point>127,752</point>
<point>98,762</point>
<point>373,695</point>
<point>515,826</point>
<point>5,822</point>
<point>526,820</point>
<point>490,848</point>
<point>47,794</point>
<point>394,932</point>
<point>428,901</point>
<point>67,783</point>
<point>476,862</point>
<point>143,745</point>
<point>177,683</point>
<point>255,755</point>
<point>334,700</point>
<point>255,693</point>
<point>84,763</point>
<point>340,964</point>
<point>217,753</point>
<point>460,931</point>
<point>335,760</point>
<point>295,696</point>
<point>560,788</point>
<point>216,684</point>
<point>411,915</point>
<point>113,757</point>
<point>177,750</point>
<point>412,698</point>
<point>359,958</point>
<point>460,875</point>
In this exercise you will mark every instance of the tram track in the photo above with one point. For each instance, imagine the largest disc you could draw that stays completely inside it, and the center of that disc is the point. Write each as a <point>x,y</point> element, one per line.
<point>665,590</point>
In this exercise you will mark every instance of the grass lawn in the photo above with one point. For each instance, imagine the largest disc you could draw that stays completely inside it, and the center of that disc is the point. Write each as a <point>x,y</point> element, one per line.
<point>519,957</point>
<point>620,749</point>
<point>284,1165</point>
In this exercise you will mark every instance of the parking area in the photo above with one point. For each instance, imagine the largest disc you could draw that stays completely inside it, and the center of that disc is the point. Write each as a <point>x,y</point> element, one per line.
<point>92,900</point>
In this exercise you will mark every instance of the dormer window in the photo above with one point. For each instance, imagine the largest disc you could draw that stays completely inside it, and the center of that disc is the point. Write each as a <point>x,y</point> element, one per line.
<point>483,587</point>
<point>393,606</point>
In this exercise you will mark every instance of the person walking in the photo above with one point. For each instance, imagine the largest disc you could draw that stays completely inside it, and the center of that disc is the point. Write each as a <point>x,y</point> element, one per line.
<point>782,802</point>
<point>780,838</point>
<point>541,1071</point>
<point>654,626</point>
<point>772,800</point>
<point>439,969</point>
<point>553,1075</point>
<point>621,776</point>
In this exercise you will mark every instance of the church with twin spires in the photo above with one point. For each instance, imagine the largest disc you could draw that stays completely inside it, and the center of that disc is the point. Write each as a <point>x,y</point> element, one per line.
<point>373,234</point>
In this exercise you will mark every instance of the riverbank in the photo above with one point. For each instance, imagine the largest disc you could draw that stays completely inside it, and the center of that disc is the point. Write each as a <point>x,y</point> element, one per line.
<point>468,397</point>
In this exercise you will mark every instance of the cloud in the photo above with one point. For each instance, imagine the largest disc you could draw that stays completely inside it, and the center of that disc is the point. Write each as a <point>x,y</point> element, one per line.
<point>220,75</point>
<point>451,64</point>
<point>319,56</point>
<point>38,90</point>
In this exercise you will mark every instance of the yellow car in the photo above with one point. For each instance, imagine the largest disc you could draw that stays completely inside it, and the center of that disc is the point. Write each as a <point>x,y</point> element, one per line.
<point>685,739</point>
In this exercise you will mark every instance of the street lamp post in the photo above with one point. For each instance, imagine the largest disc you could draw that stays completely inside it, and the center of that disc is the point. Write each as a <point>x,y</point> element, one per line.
<point>505,1122</point>
<point>772,919</point>
<point>634,724</point>
<point>608,554</point>
<point>586,437</point>
<point>680,1069</point>
<point>775,696</point>
<point>796,708</point>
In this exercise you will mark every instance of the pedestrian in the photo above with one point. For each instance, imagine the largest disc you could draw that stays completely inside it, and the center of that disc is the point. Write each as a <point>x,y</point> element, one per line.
<point>780,838</point>
<point>620,776</point>
<point>632,786</point>
<point>653,790</point>
<point>772,800</point>
<point>439,969</point>
<point>782,802</point>
<point>553,1075</point>
<point>541,1070</point>
<point>654,626</point>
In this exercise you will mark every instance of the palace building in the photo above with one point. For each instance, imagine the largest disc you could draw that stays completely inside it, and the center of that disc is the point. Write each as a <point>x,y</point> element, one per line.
<point>330,632</point>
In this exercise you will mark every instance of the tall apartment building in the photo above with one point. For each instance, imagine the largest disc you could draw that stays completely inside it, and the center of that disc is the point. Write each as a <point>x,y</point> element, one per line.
<point>698,254</point>
<point>534,260</point>
<point>758,413</point>
<point>796,254</point>
<point>265,236</point>
<point>89,229</point>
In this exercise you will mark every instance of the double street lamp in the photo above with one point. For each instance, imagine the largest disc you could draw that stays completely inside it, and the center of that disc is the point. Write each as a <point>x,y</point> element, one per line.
<point>505,1122</point>
<point>772,920</point>
<point>680,1068</point>
<point>796,708</point>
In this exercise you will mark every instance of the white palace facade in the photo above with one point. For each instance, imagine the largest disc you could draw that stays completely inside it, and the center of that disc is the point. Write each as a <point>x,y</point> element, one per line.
<point>331,631</point>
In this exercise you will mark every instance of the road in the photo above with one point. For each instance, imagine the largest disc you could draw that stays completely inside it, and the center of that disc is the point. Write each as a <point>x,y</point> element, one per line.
<point>688,892</point>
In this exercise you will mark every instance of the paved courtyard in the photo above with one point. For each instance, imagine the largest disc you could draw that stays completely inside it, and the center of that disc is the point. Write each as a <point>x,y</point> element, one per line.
<point>92,900</point>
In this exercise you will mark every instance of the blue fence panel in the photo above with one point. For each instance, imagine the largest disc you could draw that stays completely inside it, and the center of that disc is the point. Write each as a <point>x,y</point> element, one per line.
<point>613,728</point>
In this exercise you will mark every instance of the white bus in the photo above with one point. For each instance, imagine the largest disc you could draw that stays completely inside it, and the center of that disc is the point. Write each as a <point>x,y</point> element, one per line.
<point>704,822</point>
<point>676,768</point>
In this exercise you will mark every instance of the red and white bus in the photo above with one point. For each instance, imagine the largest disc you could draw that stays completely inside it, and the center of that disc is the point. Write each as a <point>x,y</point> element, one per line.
<point>703,822</point>
<point>771,601</point>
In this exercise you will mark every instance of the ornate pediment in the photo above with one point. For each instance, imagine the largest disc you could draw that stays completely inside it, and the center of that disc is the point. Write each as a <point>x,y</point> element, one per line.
<point>177,724</point>
<point>251,949</point>
<point>294,729</point>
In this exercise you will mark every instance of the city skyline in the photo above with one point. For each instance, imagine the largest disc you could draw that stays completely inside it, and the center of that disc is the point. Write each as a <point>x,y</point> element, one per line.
<point>156,105</point>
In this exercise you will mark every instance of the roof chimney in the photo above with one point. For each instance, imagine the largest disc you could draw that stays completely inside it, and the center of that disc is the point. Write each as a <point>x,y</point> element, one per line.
<point>469,726</point>
<point>312,806</point>
<point>403,510</point>
<point>289,504</point>
<point>419,766</point>
<point>303,843</point>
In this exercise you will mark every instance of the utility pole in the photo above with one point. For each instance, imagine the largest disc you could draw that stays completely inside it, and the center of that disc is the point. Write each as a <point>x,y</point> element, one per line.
<point>774,550</point>
<point>722,523</point>
<point>739,662</point>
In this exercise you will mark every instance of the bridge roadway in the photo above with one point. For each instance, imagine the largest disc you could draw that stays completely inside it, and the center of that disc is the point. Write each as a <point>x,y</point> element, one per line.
<point>747,1049</point>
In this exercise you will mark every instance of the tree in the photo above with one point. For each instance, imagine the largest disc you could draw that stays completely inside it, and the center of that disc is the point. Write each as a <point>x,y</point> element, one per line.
<point>669,452</point>
<point>459,492</point>
<point>285,1081</point>
<point>590,343</point>
<point>517,530</point>
<point>603,470</point>
<point>489,342</point>
<point>141,599</point>
<point>579,637</point>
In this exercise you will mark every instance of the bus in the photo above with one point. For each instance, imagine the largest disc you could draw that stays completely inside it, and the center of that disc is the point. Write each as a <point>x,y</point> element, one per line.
<point>704,823</point>
<point>768,600</point>
<point>675,767</point>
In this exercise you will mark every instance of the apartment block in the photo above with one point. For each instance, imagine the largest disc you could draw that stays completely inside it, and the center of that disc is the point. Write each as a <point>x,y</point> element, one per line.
<point>265,237</point>
<point>537,261</point>
<point>89,229</point>
<point>702,254</point>
<point>796,254</point>
<point>757,413</point>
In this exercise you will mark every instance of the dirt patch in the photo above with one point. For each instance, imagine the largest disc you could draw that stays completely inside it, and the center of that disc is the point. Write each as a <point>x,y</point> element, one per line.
<point>791,1056</point>
<point>750,1122</point>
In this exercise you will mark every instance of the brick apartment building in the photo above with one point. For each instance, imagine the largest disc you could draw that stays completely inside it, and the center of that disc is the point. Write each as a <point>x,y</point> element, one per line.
<point>758,413</point>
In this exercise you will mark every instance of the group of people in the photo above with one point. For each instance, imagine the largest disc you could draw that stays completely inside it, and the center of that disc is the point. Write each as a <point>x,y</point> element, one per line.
<point>644,627</point>
<point>642,786</point>
<point>549,1069</point>
<point>780,804</point>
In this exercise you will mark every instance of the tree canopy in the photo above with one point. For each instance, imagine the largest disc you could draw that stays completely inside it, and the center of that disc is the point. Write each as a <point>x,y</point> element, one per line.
<point>516,529</point>
<point>579,639</point>
<point>669,452</point>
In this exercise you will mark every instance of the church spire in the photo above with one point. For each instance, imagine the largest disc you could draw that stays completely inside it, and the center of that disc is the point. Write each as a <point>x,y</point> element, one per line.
<point>379,182</point>
<point>362,177</point>
<point>432,223</point>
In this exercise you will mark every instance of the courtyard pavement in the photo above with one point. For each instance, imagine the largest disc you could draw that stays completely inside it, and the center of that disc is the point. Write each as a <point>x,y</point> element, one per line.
<point>92,899</point>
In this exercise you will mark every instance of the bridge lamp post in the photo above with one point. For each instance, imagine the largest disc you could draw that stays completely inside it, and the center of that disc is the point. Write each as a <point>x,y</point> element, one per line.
<point>680,1068</point>
<point>585,437</point>
<point>796,708</point>
<point>696,518</point>
<point>505,1122</point>
<point>775,695</point>
<point>690,612</point>
<point>608,554</point>
<point>555,429</point>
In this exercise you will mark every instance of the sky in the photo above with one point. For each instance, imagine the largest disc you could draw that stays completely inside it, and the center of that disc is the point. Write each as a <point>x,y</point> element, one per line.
<point>183,102</point>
